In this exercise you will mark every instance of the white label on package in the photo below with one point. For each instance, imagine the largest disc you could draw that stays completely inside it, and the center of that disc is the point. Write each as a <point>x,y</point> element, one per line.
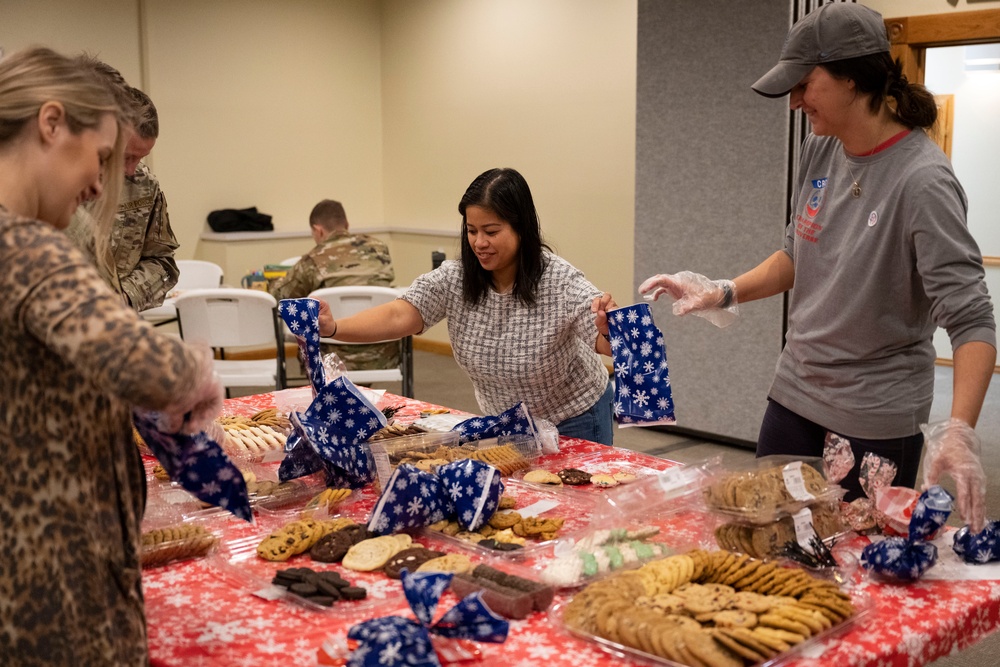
<point>382,466</point>
<point>804,532</point>
<point>538,508</point>
<point>794,482</point>
<point>673,479</point>
<point>270,592</point>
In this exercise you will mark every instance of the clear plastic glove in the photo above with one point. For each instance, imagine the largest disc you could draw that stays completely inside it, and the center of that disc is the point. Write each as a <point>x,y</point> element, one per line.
<point>714,300</point>
<point>197,409</point>
<point>953,447</point>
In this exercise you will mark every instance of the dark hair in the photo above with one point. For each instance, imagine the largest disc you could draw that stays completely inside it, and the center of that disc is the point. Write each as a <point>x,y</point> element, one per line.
<point>147,125</point>
<point>506,194</point>
<point>328,215</point>
<point>116,83</point>
<point>881,77</point>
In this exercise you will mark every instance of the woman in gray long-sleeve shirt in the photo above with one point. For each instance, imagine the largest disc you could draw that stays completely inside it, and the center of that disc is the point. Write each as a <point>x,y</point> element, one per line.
<point>879,253</point>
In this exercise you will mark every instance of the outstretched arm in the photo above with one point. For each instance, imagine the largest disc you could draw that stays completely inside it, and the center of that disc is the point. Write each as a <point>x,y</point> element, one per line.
<point>389,321</point>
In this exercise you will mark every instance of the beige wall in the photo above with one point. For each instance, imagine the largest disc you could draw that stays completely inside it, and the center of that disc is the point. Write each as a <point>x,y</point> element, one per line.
<point>547,88</point>
<point>108,29</point>
<point>269,104</point>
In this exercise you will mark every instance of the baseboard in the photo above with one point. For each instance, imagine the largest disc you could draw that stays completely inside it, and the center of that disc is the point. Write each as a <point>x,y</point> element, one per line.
<point>256,353</point>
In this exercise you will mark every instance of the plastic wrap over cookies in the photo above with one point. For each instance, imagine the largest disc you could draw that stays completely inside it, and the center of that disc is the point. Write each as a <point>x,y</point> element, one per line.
<point>411,498</point>
<point>642,381</point>
<point>331,435</point>
<point>906,559</point>
<point>396,641</point>
<point>198,464</point>
<point>302,318</point>
<point>474,488</point>
<point>513,421</point>
<point>981,547</point>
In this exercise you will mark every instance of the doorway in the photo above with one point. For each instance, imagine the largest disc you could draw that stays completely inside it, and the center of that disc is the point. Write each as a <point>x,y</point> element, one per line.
<point>952,55</point>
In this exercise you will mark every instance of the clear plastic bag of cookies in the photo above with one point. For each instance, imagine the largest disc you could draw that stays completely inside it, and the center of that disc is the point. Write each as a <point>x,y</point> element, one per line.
<point>167,541</point>
<point>268,493</point>
<point>768,540</point>
<point>766,489</point>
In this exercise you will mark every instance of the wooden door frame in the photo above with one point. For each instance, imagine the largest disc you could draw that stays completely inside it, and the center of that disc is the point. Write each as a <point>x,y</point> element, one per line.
<point>911,36</point>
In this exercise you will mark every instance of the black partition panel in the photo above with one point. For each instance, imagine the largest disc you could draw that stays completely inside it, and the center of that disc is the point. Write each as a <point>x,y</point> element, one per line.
<point>712,163</point>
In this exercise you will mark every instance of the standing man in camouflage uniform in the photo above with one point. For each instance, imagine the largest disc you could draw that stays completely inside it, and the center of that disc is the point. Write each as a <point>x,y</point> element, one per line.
<point>140,260</point>
<point>341,258</point>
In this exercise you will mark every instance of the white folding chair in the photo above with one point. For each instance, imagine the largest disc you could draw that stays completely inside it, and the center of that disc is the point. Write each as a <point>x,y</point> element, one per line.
<point>350,300</point>
<point>231,317</point>
<point>196,273</point>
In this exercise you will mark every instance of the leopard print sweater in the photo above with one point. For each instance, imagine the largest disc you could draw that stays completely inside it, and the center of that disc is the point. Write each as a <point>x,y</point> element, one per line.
<point>73,361</point>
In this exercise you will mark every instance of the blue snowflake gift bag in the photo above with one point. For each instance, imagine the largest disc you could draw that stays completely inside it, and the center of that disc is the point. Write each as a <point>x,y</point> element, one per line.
<point>332,434</point>
<point>396,641</point>
<point>513,421</point>
<point>412,498</point>
<point>981,547</point>
<point>302,318</point>
<point>642,381</point>
<point>198,464</point>
<point>906,559</point>
<point>474,488</point>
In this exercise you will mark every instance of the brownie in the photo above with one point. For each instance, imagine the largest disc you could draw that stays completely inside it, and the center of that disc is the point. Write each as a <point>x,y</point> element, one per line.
<point>507,602</point>
<point>574,476</point>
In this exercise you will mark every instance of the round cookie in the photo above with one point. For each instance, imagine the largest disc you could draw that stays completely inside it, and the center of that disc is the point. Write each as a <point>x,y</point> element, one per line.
<point>542,477</point>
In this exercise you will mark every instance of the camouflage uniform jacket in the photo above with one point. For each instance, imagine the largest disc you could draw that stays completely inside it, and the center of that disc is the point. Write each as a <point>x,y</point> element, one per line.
<point>344,259</point>
<point>142,243</point>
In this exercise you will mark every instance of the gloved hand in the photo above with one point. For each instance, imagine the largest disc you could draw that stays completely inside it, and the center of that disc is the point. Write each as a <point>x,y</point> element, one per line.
<point>715,300</point>
<point>197,409</point>
<point>953,447</point>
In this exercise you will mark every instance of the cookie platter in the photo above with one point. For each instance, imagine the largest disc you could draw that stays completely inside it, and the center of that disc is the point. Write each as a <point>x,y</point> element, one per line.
<point>237,559</point>
<point>711,608</point>
<point>766,489</point>
<point>534,520</point>
<point>589,473</point>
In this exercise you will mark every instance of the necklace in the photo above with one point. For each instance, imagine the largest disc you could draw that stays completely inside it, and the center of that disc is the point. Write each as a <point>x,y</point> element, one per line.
<point>856,185</point>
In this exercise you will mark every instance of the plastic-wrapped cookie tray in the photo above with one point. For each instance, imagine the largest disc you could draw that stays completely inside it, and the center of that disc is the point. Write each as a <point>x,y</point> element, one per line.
<point>626,464</point>
<point>766,489</point>
<point>637,645</point>
<point>428,451</point>
<point>237,560</point>
<point>531,501</point>
<point>766,540</point>
<point>169,534</point>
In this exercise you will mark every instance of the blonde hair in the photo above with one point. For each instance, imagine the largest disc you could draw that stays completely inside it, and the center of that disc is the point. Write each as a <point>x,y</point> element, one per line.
<point>31,77</point>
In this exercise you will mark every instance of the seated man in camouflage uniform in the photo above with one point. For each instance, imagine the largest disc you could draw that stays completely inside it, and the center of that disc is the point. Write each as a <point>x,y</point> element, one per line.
<point>341,258</point>
<point>141,267</point>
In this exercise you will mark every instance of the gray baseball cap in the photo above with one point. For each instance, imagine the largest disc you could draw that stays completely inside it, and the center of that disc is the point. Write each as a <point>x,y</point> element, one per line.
<point>835,31</point>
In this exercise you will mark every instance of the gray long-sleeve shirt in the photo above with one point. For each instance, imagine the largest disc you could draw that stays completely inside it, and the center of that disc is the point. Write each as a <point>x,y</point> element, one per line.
<point>874,276</point>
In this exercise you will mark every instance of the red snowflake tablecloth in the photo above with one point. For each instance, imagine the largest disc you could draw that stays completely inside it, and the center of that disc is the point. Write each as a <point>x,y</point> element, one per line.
<point>198,616</point>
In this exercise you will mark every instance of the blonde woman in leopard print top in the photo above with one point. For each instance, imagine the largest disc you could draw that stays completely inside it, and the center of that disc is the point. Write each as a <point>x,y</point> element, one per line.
<point>74,360</point>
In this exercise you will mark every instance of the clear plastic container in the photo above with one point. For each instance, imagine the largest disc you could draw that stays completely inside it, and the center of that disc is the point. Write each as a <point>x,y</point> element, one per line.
<point>766,489</point>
